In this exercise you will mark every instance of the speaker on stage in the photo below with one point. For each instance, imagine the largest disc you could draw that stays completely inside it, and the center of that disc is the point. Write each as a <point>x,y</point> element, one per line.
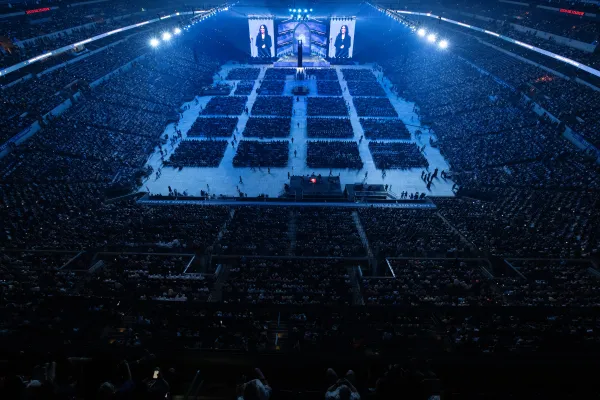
<point>299,53</point>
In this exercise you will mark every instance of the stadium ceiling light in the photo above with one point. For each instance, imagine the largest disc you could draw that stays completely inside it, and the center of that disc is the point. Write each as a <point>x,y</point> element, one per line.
<point>294,10</point>
<point>431,38</point>
<point>290,10</point>
<point>154,42</point>
<point>305,10</point>
<point>443,44</point>
<point>421,32</point>
<point>311,10</point>
<point>166,36</point>
<point>177,31</point>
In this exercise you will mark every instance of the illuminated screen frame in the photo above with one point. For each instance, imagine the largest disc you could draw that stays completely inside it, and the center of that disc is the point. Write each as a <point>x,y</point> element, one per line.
<point>254,24</point>
<point>335,39</point>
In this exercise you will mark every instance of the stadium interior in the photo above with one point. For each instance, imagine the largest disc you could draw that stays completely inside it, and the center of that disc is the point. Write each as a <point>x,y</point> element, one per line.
<point>246,200</point>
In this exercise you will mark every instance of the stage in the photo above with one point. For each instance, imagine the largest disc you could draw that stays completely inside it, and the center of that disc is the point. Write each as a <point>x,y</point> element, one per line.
<point>307,62</point>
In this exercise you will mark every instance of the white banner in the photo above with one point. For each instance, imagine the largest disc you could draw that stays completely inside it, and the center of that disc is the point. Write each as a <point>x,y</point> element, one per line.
<point>262,37</point>
<point>341,37</point>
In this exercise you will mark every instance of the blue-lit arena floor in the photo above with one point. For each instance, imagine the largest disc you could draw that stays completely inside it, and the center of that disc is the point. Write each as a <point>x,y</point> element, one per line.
<point>224,179</point>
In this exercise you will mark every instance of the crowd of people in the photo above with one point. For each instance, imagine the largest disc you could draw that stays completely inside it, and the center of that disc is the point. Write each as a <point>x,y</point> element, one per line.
<point>333,154</point>
<point>243,74</point>
<point>508,225</point>
<point>337,128</point>
<point>213,127</point>
<point>271,88</point>
<point>397,155</point>
<point>437,282</point>
<point>147,277</point>
<point>525,192</point>
<point>267,127</point>
<point>374,107</point>
<point>322,74</point>
<point>244,88</point>
<point>378,129</point>
<point>251,153</point>
<point>197,153</point>
<point>245,233</point>
<point>327,233</point>
<point>364,75</point>
<point>226,105</point>
<point>280,106</point>
<point>404,233</point>
<point>365,88</point>
<point>519,147</point>
<point>329,88</point>
<point>327,106</point>
<point>279,74</point>
<point>292,281</point>
<point>551,21</point>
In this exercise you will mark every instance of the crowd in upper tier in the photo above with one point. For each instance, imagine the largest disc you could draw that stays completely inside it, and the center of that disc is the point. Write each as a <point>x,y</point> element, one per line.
<point>551,21</point>
<point>498,137</point>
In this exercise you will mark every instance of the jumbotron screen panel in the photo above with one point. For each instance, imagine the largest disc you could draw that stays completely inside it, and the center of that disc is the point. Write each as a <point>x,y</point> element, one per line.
<point>313,35</point>
<point>342,32</point>
<point>261,37</point>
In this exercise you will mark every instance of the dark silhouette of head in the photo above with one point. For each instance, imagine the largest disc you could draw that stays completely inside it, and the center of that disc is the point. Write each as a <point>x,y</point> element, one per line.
<point>344,30</point>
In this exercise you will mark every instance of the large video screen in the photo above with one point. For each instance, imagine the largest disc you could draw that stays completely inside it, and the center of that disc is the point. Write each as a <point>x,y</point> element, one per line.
<point>261,39</point>
<point>313,35</point>
<point>341,37</point>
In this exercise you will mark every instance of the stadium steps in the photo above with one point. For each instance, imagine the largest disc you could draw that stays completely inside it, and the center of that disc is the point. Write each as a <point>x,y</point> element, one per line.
<point>469,243</point>
<point>224,227</point>
<point>278,334</point>
<point>292,231</point>
<point>357,297</point>
<point>363,235</point>
<point>216,294</point>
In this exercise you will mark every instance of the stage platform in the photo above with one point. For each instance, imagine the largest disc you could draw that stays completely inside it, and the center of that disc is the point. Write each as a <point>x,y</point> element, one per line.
<point>307,62</point>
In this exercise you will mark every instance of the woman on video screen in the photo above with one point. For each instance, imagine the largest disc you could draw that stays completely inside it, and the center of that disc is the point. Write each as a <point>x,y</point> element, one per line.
<point>264,42</point>
<point>343,41</point>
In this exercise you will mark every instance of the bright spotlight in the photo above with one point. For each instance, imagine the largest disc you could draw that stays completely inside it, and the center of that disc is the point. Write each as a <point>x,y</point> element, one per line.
<point>443,44</point>
<point>311,10</point>
<point>299,16</point>
<point>294,10</point>
<point>421,32</point>
<point>154,42</point>
<point>166,36</point>
<point>305,10</point>
<point>431,38</point>
<point>290,10</point>
<point>177,31</point>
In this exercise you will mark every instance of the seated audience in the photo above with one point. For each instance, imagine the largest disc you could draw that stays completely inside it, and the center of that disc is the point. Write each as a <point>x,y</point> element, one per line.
<point>333,154</point>
<point>251,153</point>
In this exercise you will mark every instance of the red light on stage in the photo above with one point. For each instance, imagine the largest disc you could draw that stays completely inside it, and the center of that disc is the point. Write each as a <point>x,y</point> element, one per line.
<point>313,180</point>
